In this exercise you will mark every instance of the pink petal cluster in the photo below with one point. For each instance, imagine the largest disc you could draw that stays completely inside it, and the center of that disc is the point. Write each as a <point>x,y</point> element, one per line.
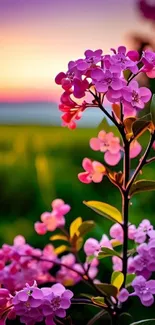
<point>94,171</point>
<point>109,145</point>
<point>54,219</point>
<point>69,277</point>
<point>21,263</point>
<point>116,232</point>
<point>104,74</point>
<point>92,246</point>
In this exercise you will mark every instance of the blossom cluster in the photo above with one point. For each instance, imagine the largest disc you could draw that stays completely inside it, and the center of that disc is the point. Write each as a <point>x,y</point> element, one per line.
<point>54,219</point>
<point>33,305</point>
<point>142,263</point>
<point>21,263</point>
<point>98,78</point>
<point>107,143</point>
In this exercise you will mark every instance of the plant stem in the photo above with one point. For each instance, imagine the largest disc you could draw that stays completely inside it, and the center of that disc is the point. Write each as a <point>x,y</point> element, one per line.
<point>125,206</point>
<point>142,162</point>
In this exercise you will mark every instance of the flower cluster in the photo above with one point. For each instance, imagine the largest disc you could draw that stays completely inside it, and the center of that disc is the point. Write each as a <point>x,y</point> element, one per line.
<point>110,145</point>
<point>54,219</point>
<point>102,76</point>
<point>33,305</point>
<point>21,263</point>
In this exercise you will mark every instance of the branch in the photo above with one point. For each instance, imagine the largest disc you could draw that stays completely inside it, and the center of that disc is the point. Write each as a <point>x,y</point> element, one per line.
<point>149,161</point>
<point>125,207</point>
<point>142,161</point>
<point>96,317</point>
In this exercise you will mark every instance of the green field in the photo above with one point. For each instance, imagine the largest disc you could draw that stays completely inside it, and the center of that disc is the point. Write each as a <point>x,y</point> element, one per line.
<point>38,164</point>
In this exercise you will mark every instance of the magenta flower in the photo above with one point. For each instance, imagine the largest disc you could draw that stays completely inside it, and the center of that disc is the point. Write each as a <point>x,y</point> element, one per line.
<point>135,97</point>
<point>94,171</point>
<point>143,263</point>
<point>30,297</point>
<point>104,80</point>
<point>91,58</point>
<point>123,61</point>
<point>56,300</point>
<point>151,247</point>
<point>144,290</point>
<point>148,60</point>
<point>144,230</point>
<point>72,111</point>
<point>110,145</point>
<point>147,9</point>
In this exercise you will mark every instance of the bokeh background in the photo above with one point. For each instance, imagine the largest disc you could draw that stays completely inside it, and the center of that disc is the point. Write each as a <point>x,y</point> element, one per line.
<point>39,160</point>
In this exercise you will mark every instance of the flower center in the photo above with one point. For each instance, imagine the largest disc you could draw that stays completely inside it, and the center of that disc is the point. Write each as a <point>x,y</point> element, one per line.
<point>135,96</point>
<point>55,303</point>
<point>70,75</point>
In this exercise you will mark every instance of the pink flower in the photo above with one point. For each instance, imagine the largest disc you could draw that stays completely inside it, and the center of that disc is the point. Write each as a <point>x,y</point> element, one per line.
<point>116,232</point>
<point>40,228</point>
<point>110,145</point>
<point>135,149</point>
<point>91,247</point>
<point>153,146</point>
<point>105,242</point>
<point>54,219</point>
<point>94,171</point>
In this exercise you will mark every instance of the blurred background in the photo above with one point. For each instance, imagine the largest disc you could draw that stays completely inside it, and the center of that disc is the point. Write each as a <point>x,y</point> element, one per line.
<point>39,160</point>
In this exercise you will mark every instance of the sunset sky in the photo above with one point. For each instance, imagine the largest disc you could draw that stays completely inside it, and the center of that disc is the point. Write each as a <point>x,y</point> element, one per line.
<point>39,37</point>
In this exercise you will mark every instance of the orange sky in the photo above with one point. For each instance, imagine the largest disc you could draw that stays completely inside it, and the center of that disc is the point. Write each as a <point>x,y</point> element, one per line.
<point>39,37</point>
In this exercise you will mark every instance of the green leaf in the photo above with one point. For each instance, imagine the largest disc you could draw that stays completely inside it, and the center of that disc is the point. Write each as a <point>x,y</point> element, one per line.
<point>96,317</point>
<point>141,125</point>
<point>86,227</point>
<point>86,295</point>
<point>152,108</point>
<point>117,279</point>
<point>105,210</point>
<point>142,186</point>
<point>99,301</point>
<point>59,237</point>
<point>129,279</point>
<point>105,252</point>
<point>104,125</point>
<point>107,289</point>
<point>90,258</point>
<point>145,322</point>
